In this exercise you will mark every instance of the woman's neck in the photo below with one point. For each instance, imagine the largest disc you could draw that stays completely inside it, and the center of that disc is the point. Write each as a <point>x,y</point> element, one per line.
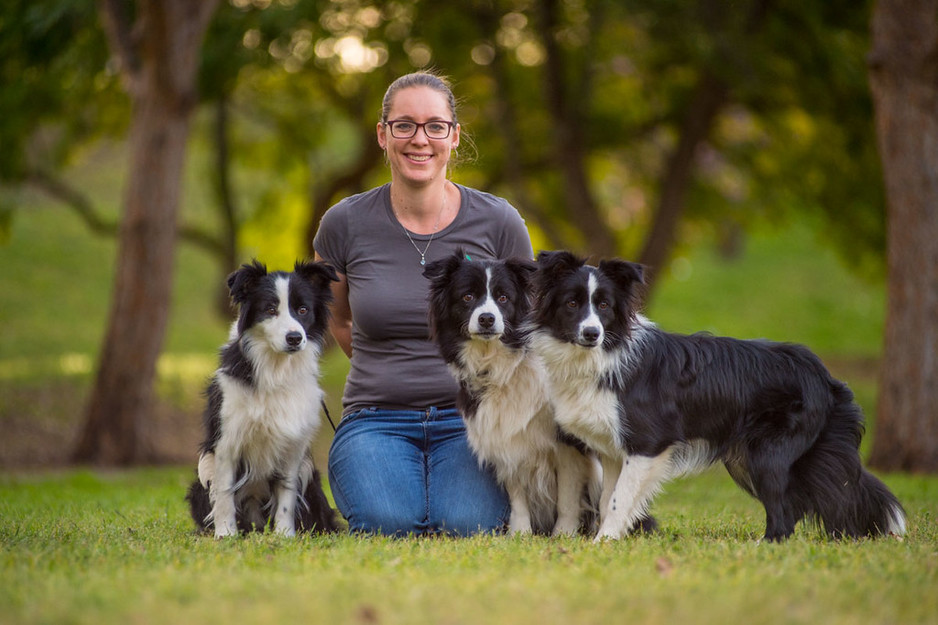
<point>424,209</point>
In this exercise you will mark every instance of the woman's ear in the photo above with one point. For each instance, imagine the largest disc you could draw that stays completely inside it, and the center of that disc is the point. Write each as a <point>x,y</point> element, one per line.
<point>382,137</point>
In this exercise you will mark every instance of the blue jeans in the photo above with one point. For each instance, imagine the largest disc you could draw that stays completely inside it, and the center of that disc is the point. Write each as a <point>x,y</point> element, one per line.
<point>400,472</point>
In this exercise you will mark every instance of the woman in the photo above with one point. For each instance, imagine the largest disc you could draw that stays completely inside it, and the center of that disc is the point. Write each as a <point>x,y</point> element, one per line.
<point>400,463</point>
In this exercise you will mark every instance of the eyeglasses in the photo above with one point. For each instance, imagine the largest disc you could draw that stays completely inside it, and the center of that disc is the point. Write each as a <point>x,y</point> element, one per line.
<point>405,129</point>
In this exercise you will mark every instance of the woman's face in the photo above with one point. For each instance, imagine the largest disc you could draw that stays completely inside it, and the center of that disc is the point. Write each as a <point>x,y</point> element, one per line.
<point>418,160</point>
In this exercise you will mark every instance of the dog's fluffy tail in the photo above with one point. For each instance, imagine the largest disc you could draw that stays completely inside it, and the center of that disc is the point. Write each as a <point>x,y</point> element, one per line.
<point>199,506</point>
<point>846,499</point>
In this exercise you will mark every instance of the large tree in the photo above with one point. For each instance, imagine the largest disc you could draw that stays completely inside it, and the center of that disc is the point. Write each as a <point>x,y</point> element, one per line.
<point>904,78</point>
<point>157,45</point>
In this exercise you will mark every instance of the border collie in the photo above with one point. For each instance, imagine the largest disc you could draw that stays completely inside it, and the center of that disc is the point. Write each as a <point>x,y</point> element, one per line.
<point>656,405</point>
<point>255,465</point>
<point>477,309</point>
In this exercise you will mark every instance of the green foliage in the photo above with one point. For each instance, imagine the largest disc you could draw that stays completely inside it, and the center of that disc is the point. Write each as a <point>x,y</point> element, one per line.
<point>56,89</point>
<point>794,138</point>
<point>304,79</point>
<point>118,547</point>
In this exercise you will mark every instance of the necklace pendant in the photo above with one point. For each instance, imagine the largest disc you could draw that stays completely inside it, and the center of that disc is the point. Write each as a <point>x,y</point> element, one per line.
<point>423,261</point>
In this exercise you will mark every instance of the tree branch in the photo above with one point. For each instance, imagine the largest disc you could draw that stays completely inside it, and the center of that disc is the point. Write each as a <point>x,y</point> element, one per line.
<point>74,199</point>
<point>71,197</point>
<point>123,40</point>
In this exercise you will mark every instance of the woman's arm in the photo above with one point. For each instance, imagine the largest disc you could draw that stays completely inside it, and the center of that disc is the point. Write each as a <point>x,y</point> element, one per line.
<point>341,323</point>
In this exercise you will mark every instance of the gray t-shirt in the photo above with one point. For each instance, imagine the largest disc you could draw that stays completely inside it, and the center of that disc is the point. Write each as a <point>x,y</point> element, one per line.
<point>394,363</point>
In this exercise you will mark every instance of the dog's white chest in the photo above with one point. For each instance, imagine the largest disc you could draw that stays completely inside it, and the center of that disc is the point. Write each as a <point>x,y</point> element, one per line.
<point>259,424</point>
<point>589,413</point>
<point>512,393</point>
<point>582,406</point>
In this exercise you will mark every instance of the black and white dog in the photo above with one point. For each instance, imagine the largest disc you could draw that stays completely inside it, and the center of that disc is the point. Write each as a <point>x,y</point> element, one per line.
<point>477,310</point>
<point>655,405</point>
<point>255,464</point>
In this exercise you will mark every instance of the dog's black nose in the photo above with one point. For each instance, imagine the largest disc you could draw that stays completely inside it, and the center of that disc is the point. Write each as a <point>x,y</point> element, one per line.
<point>590,335</point>
<point>294,339</point>
<point>486,321</point>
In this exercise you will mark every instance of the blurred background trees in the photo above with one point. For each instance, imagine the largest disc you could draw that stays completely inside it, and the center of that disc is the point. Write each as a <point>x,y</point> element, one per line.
<point>615,128</point>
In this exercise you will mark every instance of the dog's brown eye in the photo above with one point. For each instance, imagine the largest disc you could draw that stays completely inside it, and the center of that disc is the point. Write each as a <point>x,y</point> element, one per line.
<point>302,310</point>
<point>502,299</point>
<point>468,297</point>
<point>571,303</point>
<point>271,310</point>
<point>603,305</point>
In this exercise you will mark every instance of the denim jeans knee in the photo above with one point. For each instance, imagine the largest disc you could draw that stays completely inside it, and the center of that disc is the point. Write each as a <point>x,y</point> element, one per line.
<point>399,472</point>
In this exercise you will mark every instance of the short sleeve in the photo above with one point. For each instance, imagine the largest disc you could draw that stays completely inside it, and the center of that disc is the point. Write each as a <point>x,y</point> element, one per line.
<point>514,241</point>
<point>331,240</point>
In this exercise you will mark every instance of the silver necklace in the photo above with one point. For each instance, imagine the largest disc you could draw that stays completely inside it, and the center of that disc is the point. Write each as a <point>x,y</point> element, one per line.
<point>423,254</point>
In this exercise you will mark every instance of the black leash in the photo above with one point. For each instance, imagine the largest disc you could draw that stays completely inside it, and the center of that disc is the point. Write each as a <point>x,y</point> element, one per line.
<point>328,416</point>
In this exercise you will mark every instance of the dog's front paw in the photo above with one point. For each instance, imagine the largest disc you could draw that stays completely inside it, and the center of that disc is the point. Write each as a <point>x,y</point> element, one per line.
<point>289,532</point>
<point>566,527</point>
<point>519,524</point>
<point>224,530</point>
<point>606,532</point>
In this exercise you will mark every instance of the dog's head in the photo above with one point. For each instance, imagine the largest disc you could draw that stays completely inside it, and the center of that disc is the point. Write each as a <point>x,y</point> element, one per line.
<point>284,311</point>
<point>478,299</point>
<point>585,305</point>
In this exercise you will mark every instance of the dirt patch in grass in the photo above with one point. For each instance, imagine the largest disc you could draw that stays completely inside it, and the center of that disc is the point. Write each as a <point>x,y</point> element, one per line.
<point>40,424</point>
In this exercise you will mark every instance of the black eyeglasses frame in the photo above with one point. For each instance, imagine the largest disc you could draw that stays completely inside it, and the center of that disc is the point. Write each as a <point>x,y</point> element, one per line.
<point>418,126</point>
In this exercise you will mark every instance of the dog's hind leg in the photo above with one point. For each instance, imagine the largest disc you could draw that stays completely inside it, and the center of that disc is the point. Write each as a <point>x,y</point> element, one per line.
<point>779,519</point>
<point>770,473</point>
<point>784,425</point>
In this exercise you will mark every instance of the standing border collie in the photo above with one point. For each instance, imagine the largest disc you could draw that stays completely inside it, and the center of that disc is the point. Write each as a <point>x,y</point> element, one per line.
<point>477,308</point>
<point>263,408</point>
<point>656,405</point>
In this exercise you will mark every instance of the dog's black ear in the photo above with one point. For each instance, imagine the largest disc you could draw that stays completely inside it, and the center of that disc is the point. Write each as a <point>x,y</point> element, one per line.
<point>551,267</point>
<point>319,273</point>
<point>522,269</point>
<point>241,281</point>
<point>444,267</point>
<point>623,272</point>
<point>559,262</point>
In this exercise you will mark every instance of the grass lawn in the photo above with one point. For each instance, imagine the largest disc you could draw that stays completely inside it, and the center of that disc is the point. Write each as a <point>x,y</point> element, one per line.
<point>118,547</point>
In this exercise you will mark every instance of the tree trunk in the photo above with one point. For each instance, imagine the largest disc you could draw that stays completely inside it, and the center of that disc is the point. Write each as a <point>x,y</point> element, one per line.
<point>228,258</point>
<point>710,96</point>
<point>160,76</point>
<point>570,138</point>
<point>904,81</point>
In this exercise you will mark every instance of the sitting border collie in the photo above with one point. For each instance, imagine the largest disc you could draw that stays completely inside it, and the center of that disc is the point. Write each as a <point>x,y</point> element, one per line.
<point>655,405</point>
<point>255,464</point>
<point>477,308</point>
